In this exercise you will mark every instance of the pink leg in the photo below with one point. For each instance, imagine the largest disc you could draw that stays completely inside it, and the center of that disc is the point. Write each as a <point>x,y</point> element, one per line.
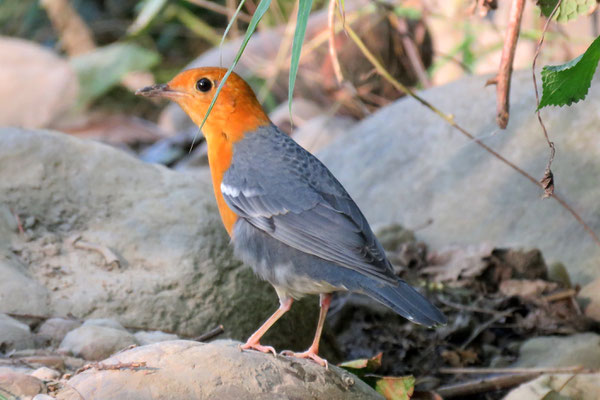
<point>314,347</point>
<point>253,341</point>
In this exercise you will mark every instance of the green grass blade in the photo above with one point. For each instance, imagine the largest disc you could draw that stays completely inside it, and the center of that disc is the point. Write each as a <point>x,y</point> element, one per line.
<point>262,8</point>
<point>301,22</point>
<point>229,25</point>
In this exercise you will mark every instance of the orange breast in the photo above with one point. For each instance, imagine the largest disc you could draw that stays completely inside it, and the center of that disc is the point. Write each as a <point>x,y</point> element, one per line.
<point>220,153</point>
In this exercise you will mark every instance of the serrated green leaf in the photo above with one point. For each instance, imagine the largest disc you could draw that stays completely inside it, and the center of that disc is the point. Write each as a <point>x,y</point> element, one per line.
<point>568,9</point>
<point>261,9</point>
<point>103,68</point>
<point>301,22</point>
<point>148,12</point>
<point>396,388</point>
<point>568,83</point>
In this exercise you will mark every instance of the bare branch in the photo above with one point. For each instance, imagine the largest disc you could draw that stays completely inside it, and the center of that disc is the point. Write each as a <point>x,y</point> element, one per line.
<point>506,63</point>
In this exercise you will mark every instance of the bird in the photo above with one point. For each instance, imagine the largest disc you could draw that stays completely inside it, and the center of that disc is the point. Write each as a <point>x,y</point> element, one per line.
<point>288,217</point>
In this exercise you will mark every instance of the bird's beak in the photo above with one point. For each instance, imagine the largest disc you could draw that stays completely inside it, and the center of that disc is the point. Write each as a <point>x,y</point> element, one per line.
<point>159,90</point>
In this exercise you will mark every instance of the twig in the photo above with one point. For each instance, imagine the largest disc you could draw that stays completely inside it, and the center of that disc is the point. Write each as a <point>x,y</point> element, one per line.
<point>562,295</point>
<point>411,48</point>
<point>218,8</point>
<point>457,306</point>
<point>534,370</point>
<point>548,179</point>
<point>75,36</point>
<point>486,325</point>
<point>110,258</point>
<point>210,334</point>
<point>107,367</point>
<point>333,55</point>
<point>506,63</point>
<point>484,385</point>
<point>450,120</point>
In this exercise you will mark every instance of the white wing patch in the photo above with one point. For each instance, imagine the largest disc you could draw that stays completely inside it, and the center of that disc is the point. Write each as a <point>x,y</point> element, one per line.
<point>232,191</point>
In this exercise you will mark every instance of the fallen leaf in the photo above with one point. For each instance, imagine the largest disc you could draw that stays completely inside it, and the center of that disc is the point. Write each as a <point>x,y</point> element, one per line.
<point>459,262</point>
<point>526,288</point>
<point>396,388</point>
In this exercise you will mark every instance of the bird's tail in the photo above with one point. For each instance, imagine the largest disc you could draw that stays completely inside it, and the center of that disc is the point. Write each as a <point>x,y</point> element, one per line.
<point>406,301</point>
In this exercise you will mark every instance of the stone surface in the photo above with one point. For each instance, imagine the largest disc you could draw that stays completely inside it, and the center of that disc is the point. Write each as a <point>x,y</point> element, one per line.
<point>55,329</point>
<point>589,295</point>
<point>218,370</point>
<point>14,335</point>
<point>405,165</point>
<point>26,68</point>
<point>176,273</point>
<point>106,322</point>
<point>320,131</point>
<point>19,386</point>
<point>96,342</point>
<point>578,386</point>
<point>145,338</point>
<point>561,351</point>
<point>45,374</point>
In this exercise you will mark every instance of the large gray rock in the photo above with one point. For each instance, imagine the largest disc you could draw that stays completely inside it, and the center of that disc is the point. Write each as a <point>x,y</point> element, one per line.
<point>54,330</point>
<point>219,370</point>
<point>405,165</point>
<point>561,351</point>
<point>569,386</point>
<point>176,272</point>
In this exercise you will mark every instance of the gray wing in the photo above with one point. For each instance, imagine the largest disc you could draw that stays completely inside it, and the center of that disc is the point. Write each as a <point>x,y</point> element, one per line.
<point>283,190</point>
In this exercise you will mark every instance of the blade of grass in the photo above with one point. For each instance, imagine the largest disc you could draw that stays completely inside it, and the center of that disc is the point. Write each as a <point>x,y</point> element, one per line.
<point>197,25</point>
<point>229,25</point>
<point>262,8</point>
<point>301,22</point>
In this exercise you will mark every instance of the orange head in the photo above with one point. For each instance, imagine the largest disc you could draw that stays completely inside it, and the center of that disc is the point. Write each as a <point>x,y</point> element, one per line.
<point>235,112</point>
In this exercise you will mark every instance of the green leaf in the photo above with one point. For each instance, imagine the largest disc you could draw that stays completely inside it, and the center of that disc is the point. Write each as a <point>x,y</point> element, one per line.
<point>301,22</point>
<point>366,365</point>
<point>261,9</point>
<point>396,388</point>
<point>568,9</point>
<point>568,83</point>
<point>99,70</point>
<point>229,25</point>
<point>148,12</point>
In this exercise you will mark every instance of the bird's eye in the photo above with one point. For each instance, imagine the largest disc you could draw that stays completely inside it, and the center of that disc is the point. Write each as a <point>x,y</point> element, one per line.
<point>203,85</point>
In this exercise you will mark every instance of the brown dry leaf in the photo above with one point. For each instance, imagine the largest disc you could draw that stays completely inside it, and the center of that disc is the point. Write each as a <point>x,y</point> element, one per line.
<point>114,129</point>
<point>548,183</point>
<point>459,262</point>
<point>36,85</point>
<point>460,358</point>
<point>526,288</point>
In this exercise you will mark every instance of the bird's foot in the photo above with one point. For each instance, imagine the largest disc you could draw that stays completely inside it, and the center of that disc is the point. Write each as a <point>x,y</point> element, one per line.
<point>310,353</point>
<point>258,347</point>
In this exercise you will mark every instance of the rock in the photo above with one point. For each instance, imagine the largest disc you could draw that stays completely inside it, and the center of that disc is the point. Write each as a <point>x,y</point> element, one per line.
<point>14,335</point>
<point>19,385</point>
<point>177,272</point>
<point>145,338</point>
<point>571,386</point>
<point>106,322</point>
<point>55,329</point>
<point>45,374</point>
<point>589,295</point>
<point>404,164</point>
<point>43,397</point>
<point>218,370</point>
<point>26,68</point>
<point>561,351</point>
<point>320,131</point>
<point>95,342</point>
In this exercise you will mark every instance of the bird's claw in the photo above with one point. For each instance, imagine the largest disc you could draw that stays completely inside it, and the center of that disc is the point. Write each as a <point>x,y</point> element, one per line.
<point>258,347</point>
<point>307,354</point>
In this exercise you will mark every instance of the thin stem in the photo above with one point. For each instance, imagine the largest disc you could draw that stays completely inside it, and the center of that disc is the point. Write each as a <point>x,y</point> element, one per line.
<point>450,120</point>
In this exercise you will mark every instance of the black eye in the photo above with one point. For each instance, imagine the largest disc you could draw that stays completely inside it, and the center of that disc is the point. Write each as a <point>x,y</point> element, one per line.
<point>204,84</point>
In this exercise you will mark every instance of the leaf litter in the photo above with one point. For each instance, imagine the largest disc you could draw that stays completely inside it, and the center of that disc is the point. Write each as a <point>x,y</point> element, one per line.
<point>494,298</point>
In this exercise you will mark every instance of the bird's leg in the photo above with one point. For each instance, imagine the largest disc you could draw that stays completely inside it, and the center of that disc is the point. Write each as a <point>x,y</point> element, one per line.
<point>314,347</point>
<point>253,341</point>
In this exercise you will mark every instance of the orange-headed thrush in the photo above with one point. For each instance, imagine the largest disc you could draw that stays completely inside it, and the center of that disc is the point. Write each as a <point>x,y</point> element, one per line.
<point>288,217</point>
